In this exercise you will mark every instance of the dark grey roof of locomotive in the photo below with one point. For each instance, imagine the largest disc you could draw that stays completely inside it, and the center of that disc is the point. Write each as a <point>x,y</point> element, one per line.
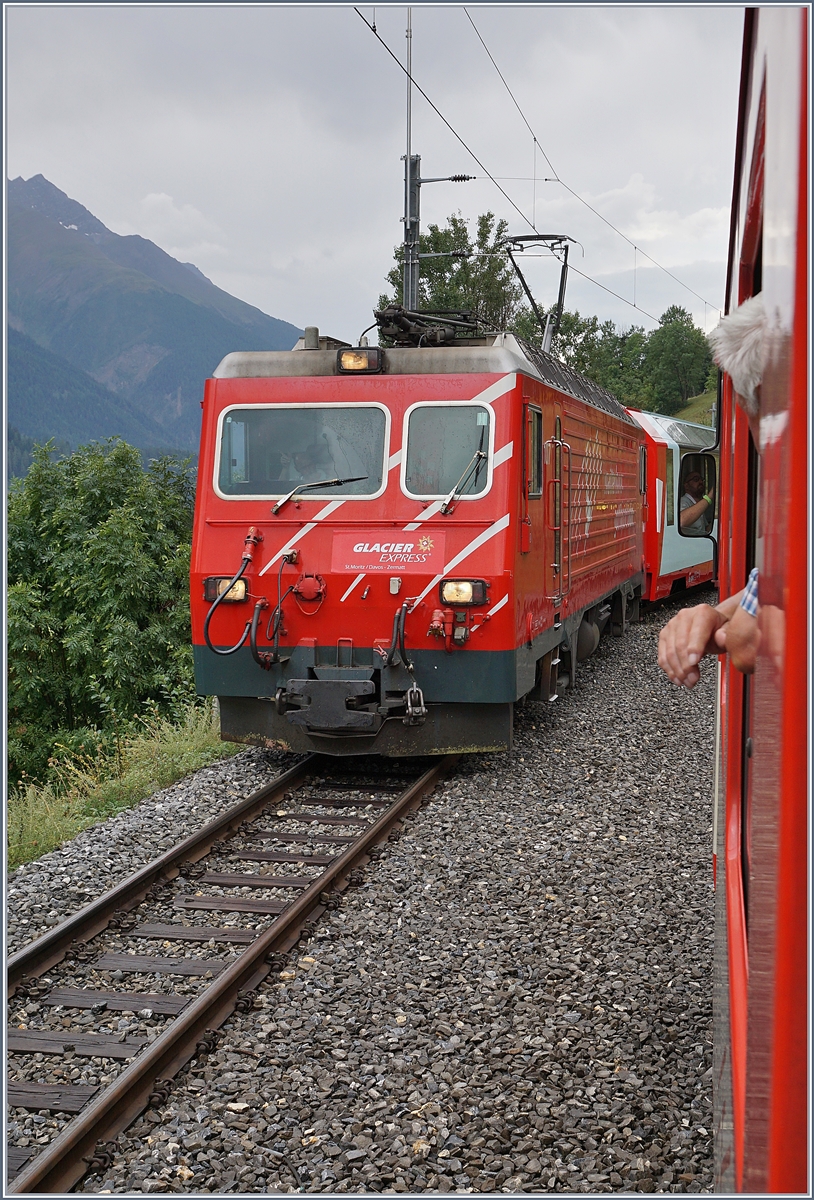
<point>564,379</point>
<point>500,354</point>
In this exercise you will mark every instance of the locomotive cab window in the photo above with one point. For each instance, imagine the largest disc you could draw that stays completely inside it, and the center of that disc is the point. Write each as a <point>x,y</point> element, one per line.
<point>267,451</point>
<point>448,449</point>
<point>534,466</point>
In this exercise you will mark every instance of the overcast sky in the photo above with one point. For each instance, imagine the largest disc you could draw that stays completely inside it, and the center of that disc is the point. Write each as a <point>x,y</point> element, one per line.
<point>264,143</point>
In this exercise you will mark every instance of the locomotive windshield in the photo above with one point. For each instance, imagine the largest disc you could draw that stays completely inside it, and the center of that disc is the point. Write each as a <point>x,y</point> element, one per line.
<point>442,444</point>
<point>266,452</point>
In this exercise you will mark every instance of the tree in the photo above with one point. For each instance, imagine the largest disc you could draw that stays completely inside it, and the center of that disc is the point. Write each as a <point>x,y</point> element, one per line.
<point>469,274</point>
<point>677,360</point>
<point>98,597</point>
<point>660,370</point>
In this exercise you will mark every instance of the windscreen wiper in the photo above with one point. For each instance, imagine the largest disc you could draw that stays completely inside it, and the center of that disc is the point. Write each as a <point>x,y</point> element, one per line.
<point>450,499</point>
<point>321,483</point>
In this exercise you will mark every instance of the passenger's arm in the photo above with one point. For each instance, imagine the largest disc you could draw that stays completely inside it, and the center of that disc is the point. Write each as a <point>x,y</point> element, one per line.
<point>699,509</point>
<point>741,640</point>
<point>690,635</point>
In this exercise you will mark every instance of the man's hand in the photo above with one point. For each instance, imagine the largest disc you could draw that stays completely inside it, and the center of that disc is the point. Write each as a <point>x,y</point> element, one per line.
<point>685,640</point>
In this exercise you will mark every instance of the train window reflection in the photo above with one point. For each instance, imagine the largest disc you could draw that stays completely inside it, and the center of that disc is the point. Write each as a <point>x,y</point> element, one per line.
<point>266,452</point>
<point>442,443</point>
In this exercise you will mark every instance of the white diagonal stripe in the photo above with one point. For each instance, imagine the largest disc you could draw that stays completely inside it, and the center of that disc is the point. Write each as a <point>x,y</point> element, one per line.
<point>503,454</point>
<point>497,389</point>
<point>474,545</point>
<point>328,509</point>
<point>291,542</point>
<point>495,608</point>
<point>394,460</point>
<point>428,512</point>
<point>358,579</point>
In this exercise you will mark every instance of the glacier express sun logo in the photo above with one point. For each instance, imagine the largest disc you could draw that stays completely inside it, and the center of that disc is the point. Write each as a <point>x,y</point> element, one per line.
<point>380,551</point>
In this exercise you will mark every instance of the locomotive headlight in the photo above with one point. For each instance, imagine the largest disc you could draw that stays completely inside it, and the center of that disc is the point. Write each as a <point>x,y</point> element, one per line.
<point>463,591</point>
<point>367,359</point>
<point>215,586</point>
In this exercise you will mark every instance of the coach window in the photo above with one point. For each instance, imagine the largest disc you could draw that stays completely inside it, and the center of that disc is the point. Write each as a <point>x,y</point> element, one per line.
<point>447,447</point>
<point>669,488</point>
<point>268,451</point>
<point>643,469</point>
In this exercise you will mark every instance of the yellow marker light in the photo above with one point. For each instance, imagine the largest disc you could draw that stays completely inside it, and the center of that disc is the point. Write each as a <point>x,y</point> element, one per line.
<point>366,359</point>
<point>463,591</point>
<point>457,591</point>
<point>236,592</point>
<point>354,360</point>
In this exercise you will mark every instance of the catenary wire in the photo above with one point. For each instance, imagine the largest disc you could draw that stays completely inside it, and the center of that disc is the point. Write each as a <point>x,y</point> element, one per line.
<point>576,196</point>
<point>582,274</point>
<point>438,113</point>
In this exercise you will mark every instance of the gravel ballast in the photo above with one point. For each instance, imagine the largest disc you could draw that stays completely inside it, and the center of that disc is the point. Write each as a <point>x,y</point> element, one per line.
<point>44,892</point>
<point>517,997</point>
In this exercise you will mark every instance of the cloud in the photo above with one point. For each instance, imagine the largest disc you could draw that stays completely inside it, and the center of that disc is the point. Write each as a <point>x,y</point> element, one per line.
<point>264,142</point>
<point>182,230</point>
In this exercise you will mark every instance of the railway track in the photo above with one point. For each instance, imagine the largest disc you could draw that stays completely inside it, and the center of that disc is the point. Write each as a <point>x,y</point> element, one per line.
<point>344,808</point>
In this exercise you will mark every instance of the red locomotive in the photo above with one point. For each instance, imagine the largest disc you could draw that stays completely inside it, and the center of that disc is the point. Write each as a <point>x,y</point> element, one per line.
<point>393,546</point>
<point>761,1016</point>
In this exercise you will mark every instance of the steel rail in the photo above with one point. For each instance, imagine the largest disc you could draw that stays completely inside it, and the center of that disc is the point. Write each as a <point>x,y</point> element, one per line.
<point>62,1163</point>
<point>38,956</point>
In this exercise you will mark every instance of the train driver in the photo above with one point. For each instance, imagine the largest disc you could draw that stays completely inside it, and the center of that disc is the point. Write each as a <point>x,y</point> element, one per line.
<point>731,627</point>
<point>329,456</point>
<point>695,504</point>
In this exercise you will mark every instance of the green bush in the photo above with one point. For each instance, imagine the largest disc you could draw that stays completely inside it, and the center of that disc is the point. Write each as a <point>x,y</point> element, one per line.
<point>85,786</point>
<point>98,602</point>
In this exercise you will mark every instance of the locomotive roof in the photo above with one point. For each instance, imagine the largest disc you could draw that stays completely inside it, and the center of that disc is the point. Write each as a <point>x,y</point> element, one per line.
<point>505,353</point>
<point>684,433</point>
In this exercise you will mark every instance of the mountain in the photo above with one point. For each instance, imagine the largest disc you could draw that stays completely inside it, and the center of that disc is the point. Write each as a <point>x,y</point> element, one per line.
<point>50,398</point>
<point>146,328</point>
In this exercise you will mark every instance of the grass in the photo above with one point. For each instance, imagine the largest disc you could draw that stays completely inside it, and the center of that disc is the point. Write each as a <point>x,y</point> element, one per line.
<point>85,788</point>
<point>698,409</point>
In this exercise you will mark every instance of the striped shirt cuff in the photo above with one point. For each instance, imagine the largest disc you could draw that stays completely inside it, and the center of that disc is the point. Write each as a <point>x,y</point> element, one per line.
<point>749,597</point>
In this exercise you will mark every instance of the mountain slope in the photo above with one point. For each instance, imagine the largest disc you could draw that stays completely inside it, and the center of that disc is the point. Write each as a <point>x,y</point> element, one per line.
<point>123,311</point>
<point>50,398</point>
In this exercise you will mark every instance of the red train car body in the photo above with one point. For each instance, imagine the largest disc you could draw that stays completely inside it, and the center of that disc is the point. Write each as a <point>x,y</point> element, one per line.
<point>761,1085</point>
<point>672,562</point>
<point>492,527</point>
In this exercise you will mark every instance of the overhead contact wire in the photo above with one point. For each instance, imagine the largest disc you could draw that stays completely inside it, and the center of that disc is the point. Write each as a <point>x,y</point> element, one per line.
<point>576,195</point>
<point>438,113</point>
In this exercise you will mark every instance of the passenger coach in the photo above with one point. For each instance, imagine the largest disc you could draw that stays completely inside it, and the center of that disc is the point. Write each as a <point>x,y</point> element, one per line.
<point>393,546</point>
<point>675,450</point>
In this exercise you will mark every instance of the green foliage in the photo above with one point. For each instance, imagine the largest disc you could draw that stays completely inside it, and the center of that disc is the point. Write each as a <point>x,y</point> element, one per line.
<point>699,409</point>
<point>98,608</point>
<point>20,452</point>
<point>614,358</point>
<point>93,783</point>
<point>678,360</point>
<point>471,274</point>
